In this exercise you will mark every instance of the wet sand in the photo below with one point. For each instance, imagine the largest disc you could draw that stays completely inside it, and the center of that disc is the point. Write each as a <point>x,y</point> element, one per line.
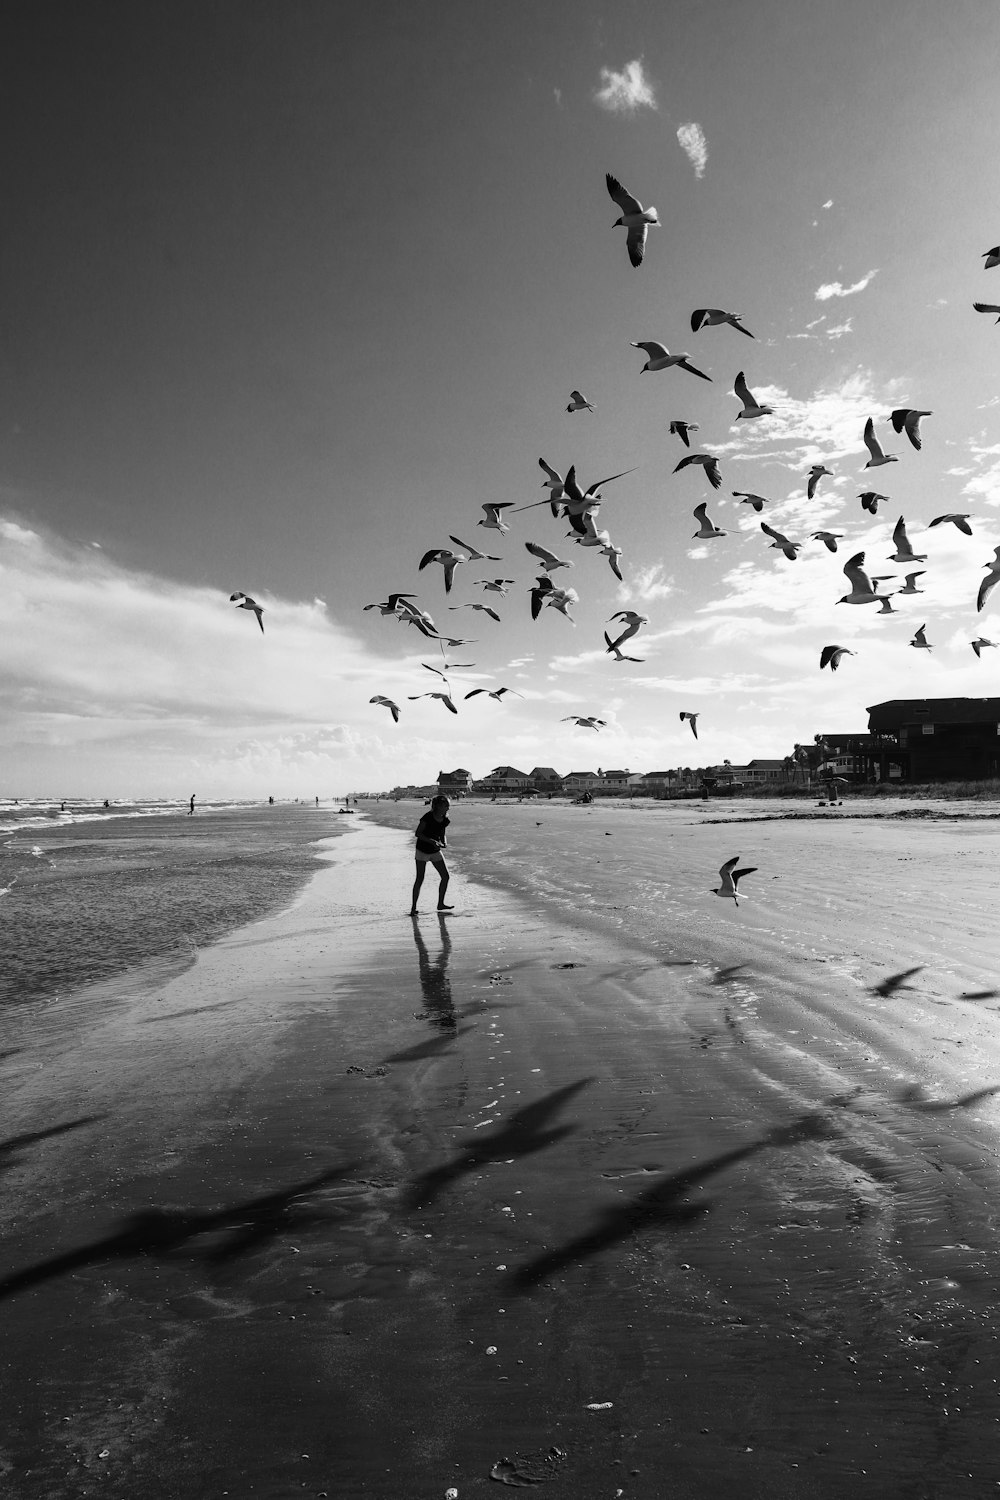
<point>362,1206</point>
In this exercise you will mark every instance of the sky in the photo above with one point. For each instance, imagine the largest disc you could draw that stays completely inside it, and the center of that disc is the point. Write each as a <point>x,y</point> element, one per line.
<point>289,293</point>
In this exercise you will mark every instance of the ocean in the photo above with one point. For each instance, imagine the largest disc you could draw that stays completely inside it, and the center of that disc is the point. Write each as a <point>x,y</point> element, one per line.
<point>88,893</point>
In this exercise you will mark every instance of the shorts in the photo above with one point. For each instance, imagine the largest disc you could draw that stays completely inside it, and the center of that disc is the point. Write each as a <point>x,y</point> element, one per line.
<point>429,859</point>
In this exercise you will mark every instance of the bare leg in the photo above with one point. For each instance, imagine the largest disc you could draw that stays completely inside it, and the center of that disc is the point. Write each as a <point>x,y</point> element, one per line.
<point>442,870</point>
<point>417,884</point>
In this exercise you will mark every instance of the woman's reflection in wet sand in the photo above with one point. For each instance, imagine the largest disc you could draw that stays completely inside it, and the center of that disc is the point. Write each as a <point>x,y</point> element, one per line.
<point>434,980</point>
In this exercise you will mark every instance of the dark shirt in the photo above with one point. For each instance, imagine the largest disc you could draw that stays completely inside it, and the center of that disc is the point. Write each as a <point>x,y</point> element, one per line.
<point>431,833</point>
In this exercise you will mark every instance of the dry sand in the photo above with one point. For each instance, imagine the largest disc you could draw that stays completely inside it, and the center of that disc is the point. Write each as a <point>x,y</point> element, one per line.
<point>702,1198</point>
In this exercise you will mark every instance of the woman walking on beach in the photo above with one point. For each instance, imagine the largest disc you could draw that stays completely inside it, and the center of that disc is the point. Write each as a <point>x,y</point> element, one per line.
<point>432,838</point>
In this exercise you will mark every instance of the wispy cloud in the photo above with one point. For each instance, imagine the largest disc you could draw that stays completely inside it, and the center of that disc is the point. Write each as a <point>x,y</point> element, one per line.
<point>625,92</point>
<point>837,289</point>
<point>837,331</point>
<point>694,144</point>
<point>645,584</point>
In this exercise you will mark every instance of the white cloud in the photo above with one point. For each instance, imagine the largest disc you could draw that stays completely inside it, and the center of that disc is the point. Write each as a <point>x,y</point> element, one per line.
<point>645,584</point>
<point>828,203</point>
<point>625,92</point>
<point>694,144</point>
<point>838,330</point>
<point>837,289</point>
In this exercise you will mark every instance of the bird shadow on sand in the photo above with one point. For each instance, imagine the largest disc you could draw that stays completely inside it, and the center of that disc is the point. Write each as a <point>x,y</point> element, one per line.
<point>526,1131</point>
<point>913,1097</point>
<point>661,1206</point>
<point>895,982</point>
<point>225,1234</point>
<point>12,1148</point>
<point>434,1046</point>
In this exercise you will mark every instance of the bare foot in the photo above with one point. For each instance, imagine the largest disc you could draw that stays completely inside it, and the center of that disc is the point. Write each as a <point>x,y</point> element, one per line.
<point>414,912</point>
<point>446,908</point>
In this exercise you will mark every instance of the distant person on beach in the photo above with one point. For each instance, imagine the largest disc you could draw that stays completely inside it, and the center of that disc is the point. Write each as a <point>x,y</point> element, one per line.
<point>432,838</point>
<point>191,806</point>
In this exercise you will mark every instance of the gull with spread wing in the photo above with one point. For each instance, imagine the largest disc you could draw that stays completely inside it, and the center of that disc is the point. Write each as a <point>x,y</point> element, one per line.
<point>714,317</point>
<point>907,419</point>
<point>659,357</point>
<point>730,878</point>
<point>683,430</point>
<point>751,406</point>
<point>248,603</point>
<point>709,463</point>
<point>635,219</point>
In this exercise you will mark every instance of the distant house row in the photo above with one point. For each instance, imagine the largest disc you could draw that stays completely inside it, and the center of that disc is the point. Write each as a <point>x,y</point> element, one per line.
<point>509,781</point>
<point>908,739</point>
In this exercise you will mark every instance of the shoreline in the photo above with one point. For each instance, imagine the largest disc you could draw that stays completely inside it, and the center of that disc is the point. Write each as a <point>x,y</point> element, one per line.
<point>363,1152</point>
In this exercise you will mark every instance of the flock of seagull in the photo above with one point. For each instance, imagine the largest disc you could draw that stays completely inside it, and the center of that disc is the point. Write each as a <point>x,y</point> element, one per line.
<point>578,506</point>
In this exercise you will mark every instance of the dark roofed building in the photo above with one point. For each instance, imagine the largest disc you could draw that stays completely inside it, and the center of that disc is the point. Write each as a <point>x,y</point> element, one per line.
<point>937,739</point>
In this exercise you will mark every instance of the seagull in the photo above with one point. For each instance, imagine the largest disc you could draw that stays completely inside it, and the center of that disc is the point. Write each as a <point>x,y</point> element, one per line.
<point>746,498</point>
<point>446,667</point>
<point>706,528</point>
<point>885,603</point>
<point>731,877</point>
<point>635,219</point>
<point>394,605</point>
<point>905,419</point>
<point>710,464</point>
<point>992,258</point>
<point>920,640</point>
<point>713,317</point>
<point>248,603</point>
<point>548,559</point>
<point>987,307</point>
<point>781,542</point>
<point>592,723</point>
<point>828,538</point>
<point>815,475</point>
<point>619,655</point>
<point>910,586</point>
<point>682,430</point>
<point>554,485</point>
<point>751,406</point>
<point>660,358</point>
<point>978,644</point>
<point>870,501</point>
<point>830,656</point>
<point>448,560</point>
<point>493,519</point>
<point>570,496</point>
<point>692,720</point>
<point>387,703</point>
<point>545,593</point>
<point>474,554</point>
<point>613,555</point>
<point>861,586</point>
<point>496,693</point>
<point>878,455</point>
<point>496,585</point>
<point>633,624</point>
<point>485,608</point>
<point>904,553</point>
<point>444,697</point>
<point>578,402</point>
<point>991,580</point>
<point>961,520</point>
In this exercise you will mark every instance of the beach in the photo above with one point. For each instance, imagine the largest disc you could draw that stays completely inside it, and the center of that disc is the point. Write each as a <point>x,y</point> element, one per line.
<point>598,1181</point>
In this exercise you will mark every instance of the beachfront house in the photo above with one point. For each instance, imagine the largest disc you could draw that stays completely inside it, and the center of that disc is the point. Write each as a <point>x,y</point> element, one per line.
<point>617,781</point>
<point>454,783</point>
<point>936,739</point>
<point>764,772</point>
<point>853,756</point>
<point>545,780</point>
<point>504,781</point>
<point>578,782</point>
